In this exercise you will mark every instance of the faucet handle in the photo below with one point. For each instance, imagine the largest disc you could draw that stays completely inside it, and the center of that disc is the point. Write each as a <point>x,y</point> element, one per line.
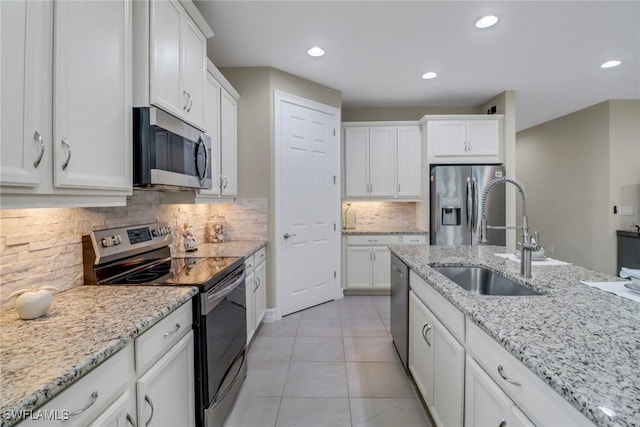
<point>535,241</point>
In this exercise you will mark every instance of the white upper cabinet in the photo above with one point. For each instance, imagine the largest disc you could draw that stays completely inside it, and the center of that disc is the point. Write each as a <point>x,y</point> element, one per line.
<point>92,120</point>
<point>177,62</point>
<point>25,122</point>
<point>381,160</point>
<point>408,164</point>
<point>222,126</point>
<point>464,139</point>
<point>228,144</point>
<point>66,103</point>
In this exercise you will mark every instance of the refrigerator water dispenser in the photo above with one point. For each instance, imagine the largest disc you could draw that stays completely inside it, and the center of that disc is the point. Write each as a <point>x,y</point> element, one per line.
<point>451,210</point>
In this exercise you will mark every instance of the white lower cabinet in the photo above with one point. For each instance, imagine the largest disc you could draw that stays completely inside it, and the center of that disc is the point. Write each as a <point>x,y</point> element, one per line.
<point>486,404</point>
<point>166,392</point>
<point>436,360</point>
<point>256,290</point>
<point>368,262</point>
<point>478,382</point>
<point>150,382</point>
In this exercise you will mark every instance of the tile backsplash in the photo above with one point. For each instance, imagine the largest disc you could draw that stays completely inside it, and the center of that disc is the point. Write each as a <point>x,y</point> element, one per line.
<point>371,214</point>
<point>44,246</point>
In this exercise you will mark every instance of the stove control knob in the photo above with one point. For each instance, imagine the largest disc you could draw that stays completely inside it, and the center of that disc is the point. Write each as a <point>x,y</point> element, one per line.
<point>118,239</point>
<point>106,242</point>
<point>155,232</point>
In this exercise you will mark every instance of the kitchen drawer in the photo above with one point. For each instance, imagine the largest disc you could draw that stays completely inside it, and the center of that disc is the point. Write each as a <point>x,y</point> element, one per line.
<point>249,263</point>
<point>372,240</point>
<point>451,317</point>
<point>151,345</point>
<point>415,239</point>
<point>95,392</point>
<point>535,398</point>
<point>260,255</point>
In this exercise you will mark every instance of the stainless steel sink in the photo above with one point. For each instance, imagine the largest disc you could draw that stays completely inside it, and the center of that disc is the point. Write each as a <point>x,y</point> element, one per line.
<point>481,281</point>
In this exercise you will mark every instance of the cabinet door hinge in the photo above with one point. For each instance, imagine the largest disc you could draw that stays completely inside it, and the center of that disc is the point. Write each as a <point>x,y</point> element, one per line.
<point>334,226</point>
<point>334,132</point>
<point>335,179</point>
<point>334,274</point>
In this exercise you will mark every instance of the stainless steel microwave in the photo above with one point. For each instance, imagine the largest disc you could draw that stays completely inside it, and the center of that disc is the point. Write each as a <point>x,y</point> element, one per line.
<point>169,153</point>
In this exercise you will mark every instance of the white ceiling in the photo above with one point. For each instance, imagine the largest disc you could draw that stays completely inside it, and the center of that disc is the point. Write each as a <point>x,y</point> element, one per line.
<point>376,51</point>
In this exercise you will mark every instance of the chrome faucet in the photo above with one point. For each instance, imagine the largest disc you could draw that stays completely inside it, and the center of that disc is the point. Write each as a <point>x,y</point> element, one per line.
<point>528,244</point>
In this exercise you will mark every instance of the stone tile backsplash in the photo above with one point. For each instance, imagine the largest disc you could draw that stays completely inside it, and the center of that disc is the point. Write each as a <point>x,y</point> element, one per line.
<point>376,214</point>
<point>44,246</point>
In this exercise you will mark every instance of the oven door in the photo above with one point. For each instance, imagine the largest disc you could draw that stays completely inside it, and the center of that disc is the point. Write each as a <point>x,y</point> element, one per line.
<point>169,152</point>
<point>224,321</point>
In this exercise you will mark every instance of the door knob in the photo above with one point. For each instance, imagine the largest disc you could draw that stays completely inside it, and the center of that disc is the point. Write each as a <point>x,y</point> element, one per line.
<point>287,235</point>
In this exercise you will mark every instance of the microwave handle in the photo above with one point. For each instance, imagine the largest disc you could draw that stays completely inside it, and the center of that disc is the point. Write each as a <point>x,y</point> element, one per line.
<point>202,177</point>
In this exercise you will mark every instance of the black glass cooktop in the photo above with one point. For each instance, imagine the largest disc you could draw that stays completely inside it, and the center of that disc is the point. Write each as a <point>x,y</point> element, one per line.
<point>183,272</point>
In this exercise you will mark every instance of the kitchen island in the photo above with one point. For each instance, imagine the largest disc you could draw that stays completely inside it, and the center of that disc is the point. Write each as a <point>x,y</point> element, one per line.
<point>86,325</point>
<point>582,342</point>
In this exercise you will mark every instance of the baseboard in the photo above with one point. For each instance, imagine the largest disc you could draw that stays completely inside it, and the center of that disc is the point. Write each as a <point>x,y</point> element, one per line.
<point>270,315</point>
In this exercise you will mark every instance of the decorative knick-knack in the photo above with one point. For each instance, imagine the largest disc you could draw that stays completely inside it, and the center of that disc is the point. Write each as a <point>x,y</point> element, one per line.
<point>349,217</point>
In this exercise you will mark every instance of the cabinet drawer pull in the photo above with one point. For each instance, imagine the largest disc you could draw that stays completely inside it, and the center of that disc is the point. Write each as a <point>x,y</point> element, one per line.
<point>94,397</point>
<point>507,379</point>
<point>257,281</point>
<point>148,400</point>
<point>425,330</point>
<point>68,159</point>
<point>373,240</point>
<point>130,421</point>
<point>186,100</point>
<point>39,140</point>
<point>175,329</point>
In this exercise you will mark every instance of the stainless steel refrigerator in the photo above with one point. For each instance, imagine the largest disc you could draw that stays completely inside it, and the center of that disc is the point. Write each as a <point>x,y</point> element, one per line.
<point>455,204</point>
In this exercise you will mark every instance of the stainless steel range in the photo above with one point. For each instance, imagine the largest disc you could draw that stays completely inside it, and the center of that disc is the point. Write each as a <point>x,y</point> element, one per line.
<point>140,255</point>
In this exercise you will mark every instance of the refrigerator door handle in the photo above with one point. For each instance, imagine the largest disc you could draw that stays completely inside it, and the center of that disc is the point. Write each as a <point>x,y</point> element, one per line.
<point>469,202</point>
<point>474,208</point>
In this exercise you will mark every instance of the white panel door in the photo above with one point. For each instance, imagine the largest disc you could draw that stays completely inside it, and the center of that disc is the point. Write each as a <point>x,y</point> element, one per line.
<point>409,162</point>
<point>356,161</point>
<point>382,161</point>
<point>359,271</point>
<point>92,120</point>
<point>228,144</point>
<point>381,267</point>
<point>306,202</point>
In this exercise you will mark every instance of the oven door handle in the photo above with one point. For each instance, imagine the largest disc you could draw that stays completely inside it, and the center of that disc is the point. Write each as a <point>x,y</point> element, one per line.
<point>211,299</point>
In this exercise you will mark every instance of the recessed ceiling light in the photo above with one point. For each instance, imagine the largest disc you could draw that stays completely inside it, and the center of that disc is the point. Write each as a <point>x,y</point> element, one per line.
<point>316,51</point>
<point>487,21</point>
<point>611,64</point>
<point>430,75</point>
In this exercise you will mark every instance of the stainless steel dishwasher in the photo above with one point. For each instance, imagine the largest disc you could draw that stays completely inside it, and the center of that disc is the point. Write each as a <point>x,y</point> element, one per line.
<point>400,308</point>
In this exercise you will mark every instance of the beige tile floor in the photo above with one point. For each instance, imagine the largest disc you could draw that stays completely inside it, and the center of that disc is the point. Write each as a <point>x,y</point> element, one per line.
<point>330,365</point>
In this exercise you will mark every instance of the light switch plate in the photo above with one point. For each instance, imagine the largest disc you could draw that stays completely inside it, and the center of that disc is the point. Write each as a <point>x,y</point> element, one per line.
<point>625,210</point>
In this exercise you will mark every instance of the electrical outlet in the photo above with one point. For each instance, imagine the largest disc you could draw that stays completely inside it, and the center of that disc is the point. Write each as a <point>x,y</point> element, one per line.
<point>625,210</point>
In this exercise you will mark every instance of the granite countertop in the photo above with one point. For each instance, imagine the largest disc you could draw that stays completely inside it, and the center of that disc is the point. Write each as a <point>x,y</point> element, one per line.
<point>382,230</point>
<point>239,248</point>
<point>583,342</point>
<point>85,325</point>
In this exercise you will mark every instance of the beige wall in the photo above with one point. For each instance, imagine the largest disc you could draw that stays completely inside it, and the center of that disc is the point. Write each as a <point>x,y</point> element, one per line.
<point>256,134</point>
<point>368,114</point>
<point>505,104</point>
<point>575,169</point>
